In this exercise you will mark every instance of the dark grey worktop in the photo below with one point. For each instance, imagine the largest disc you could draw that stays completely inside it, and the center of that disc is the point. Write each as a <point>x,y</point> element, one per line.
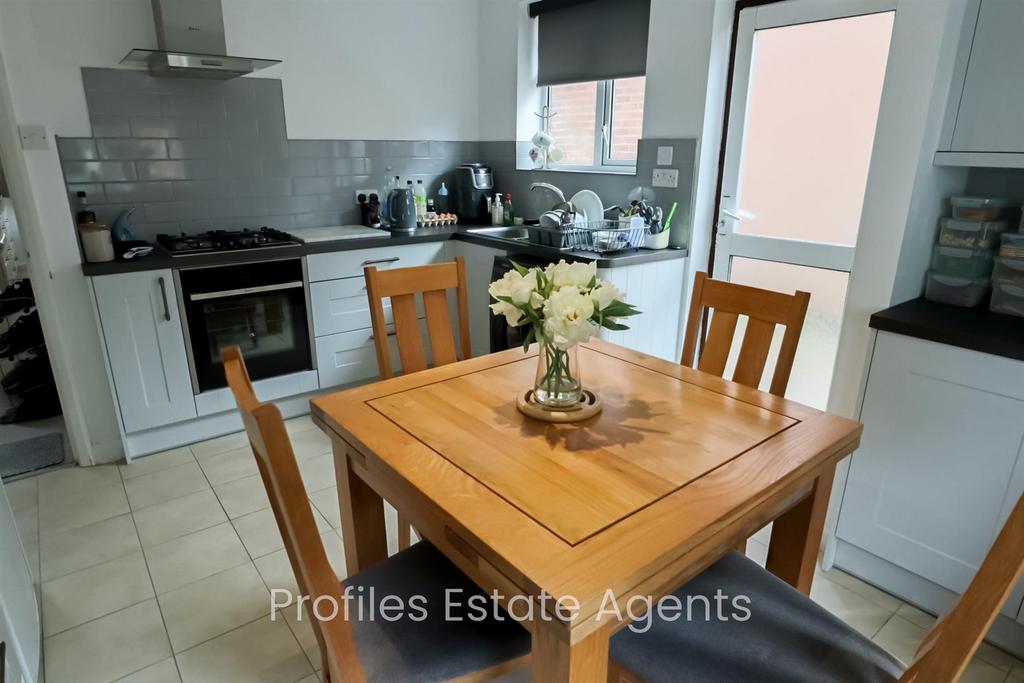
<point>161,259</point>
<point>977,329</point>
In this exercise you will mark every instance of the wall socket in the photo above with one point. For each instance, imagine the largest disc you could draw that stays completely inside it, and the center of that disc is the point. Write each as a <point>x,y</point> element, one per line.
<point>355,197</point>
<point>665,177</point>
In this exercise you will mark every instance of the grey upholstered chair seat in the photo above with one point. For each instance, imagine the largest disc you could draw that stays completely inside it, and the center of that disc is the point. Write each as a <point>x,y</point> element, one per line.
<point>787,638</point>
<point>427,647</point>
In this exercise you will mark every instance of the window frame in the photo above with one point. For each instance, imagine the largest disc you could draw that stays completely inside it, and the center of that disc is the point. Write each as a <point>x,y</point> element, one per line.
<point>604,107</point>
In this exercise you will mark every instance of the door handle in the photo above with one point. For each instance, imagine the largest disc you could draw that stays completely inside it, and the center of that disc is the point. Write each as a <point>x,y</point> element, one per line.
<point>163,296</point>
<point>738,215</point>
<point>373,262</point>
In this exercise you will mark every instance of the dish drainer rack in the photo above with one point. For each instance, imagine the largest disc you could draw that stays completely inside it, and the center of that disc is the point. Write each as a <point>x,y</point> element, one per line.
<point>601,237</point>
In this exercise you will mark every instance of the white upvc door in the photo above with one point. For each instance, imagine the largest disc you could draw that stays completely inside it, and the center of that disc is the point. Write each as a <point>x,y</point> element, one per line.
<point>806,86</point>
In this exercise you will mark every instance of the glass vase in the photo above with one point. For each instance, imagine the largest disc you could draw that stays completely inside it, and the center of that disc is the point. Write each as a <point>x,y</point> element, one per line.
<point>557,384</point>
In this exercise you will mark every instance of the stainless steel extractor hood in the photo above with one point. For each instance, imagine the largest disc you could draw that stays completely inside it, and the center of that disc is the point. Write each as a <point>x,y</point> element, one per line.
<point>190,38</point>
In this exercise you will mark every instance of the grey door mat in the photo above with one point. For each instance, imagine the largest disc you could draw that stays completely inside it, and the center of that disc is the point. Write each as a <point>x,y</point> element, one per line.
<point>31,454</point>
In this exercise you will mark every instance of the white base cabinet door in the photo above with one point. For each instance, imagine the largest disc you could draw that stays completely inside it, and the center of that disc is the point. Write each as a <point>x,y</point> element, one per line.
<point>940,464</point>
<point>657,290</point>
<point>146,348</point>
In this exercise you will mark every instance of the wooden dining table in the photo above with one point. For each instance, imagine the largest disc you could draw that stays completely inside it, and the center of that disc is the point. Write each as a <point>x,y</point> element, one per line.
<point>678,468</point>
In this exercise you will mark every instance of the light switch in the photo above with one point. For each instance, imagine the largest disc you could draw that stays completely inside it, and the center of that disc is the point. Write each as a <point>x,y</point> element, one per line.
<point>665,177</point>
<point>664,156</point>
<point>34,137</point>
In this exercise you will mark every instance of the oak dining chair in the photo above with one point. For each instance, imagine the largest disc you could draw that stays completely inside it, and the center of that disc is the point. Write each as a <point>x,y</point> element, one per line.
<point>401,285</point>
<point>789,637</point>
<point>764,310</point>
<point>354,645</point>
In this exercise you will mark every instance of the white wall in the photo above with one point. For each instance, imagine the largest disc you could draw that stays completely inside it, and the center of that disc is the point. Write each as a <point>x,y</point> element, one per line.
<point>370,69</point>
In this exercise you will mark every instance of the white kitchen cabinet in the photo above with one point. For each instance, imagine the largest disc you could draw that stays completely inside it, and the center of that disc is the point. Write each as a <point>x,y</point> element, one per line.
<point>989,115</point>
<point>940,466</point>
<point>479,267</point>
<point>145,346</point>
<point>657,290</point>
<point>344,264</point>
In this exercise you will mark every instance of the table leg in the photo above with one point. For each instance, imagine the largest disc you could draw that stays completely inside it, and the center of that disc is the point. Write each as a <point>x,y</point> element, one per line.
<point>796,536</point>
<point>554,660</point>
<point>362,515</point>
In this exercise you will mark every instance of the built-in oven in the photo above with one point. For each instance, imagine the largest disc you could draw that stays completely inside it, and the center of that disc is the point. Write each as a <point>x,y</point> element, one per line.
<point>262,307</point>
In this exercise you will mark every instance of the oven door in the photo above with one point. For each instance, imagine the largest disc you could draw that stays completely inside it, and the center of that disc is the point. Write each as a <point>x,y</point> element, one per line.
<point>260,307</point>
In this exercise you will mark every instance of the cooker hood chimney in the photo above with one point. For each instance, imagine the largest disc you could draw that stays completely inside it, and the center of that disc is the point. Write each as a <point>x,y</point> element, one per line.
<point>190,38</point>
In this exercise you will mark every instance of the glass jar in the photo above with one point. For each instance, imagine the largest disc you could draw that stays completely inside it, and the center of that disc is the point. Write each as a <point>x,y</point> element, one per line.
<point>557,383</point>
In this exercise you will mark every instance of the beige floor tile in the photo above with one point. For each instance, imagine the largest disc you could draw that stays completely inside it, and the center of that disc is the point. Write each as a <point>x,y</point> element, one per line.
<point>302,629</point>
<point>865,590</point>
<point>175,518</point>
<point>23,494</point>
<point>32,555</point>
<point>311,678</point>
<point>264,651</point>
<point>916,616</point>
<point>158,461</point>
<point>990,654</point>
<point>109,647</point>
<point>81,508</point>
<point>242,496</point>
<point>277,571</point>
<point>757,551</point>
<point>259,532</point>
<point>66,480</point>
<point>168,484</point>
<point>230,465</point>
<point>26,521</point>
<point>318,472</point>
<point>309,443</point>
<point>1017,672</point>
<point>221,444</point>
<point>180,562</point>
<point>900,638</point>
<point>297,425</point>
<point>87,546</point>
<point>854,609</point>
<point>213,606</point>
<point>90,593</point>
<point>326,502</point>
<point>161,672</point>
<point>980,671</point>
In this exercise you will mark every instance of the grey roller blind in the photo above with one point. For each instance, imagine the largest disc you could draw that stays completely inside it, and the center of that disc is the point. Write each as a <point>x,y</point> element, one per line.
<point>590,40</point>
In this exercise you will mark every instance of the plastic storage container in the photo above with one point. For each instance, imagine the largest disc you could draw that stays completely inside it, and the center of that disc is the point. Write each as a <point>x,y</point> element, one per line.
<point>982,208</point>
<point>962,262</point>
<point>1009,270</point>
<point>957,291</point>
<point>1013,245</point>
<point>970,234</point>
<point>1008,299</point>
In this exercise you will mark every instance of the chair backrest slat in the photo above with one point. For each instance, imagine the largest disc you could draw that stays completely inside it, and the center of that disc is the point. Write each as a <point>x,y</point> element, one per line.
<point>757,340</point>
<point>407,330</point>
<point>279,471</point>
<point>439,327</point>
<point>719,342</point>
<point>402,285</point>
<point>947,651</point>
<point>764,310</point>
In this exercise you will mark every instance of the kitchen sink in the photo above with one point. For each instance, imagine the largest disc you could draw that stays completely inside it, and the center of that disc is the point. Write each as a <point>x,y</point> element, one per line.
<point>509,233</point>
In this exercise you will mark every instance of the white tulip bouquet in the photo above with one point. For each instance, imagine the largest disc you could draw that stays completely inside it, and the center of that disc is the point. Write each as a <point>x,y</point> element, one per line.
<point>564,304</point>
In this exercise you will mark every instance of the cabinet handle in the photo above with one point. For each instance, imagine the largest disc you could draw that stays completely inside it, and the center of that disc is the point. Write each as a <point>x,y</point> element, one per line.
<point>163,295</point>
<point>375,261</point>
<point>389,334</point>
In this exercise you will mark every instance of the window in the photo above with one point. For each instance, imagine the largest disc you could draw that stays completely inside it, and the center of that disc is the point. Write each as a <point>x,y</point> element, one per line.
<point>596,125</point>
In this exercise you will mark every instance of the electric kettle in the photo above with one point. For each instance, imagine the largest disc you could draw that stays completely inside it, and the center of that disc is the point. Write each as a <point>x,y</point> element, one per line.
<point>402,209</point>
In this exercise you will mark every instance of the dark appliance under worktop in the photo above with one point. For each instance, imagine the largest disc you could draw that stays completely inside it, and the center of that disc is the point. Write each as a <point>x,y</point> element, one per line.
<point>214,241</point>
<point>261,307</point>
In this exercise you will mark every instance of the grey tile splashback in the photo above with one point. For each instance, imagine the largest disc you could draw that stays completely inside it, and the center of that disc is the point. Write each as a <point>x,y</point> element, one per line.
<point>194,155</point>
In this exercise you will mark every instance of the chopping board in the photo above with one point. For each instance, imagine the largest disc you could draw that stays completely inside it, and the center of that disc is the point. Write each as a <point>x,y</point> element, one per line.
<point>336,232</point>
